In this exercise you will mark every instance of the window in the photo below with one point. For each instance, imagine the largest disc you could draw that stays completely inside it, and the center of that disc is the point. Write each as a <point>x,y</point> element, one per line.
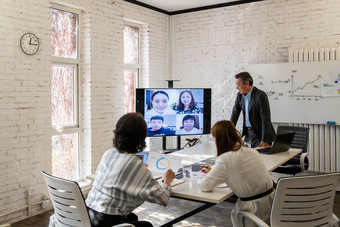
<point>131,65</point>
<point>64,93</point>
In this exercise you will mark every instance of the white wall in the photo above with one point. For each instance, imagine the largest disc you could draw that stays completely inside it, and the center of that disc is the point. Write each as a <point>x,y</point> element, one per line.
<point>208,48</point>
<point>25,117</point>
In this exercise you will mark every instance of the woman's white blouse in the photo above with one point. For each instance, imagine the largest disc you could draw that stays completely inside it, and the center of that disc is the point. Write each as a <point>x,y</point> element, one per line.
<point>243,171</point>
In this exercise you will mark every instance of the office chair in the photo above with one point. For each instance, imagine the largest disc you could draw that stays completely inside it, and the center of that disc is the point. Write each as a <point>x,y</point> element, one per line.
<point>300,162</point>
<point>299,202</point>
<point>68,203</point>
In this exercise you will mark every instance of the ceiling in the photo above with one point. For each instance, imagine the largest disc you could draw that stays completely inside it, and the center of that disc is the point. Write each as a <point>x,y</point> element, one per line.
<point>172,7</point>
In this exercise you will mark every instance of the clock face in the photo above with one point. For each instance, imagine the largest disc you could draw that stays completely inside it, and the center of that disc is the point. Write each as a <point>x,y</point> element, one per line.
<point>29,43</point>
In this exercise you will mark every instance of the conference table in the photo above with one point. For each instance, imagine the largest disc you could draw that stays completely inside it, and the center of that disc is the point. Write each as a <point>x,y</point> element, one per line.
<point>190,190</point>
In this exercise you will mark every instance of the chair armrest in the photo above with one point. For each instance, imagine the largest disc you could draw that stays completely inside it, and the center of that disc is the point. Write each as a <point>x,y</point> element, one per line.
<point>302,161</point>
<point>243,215</point>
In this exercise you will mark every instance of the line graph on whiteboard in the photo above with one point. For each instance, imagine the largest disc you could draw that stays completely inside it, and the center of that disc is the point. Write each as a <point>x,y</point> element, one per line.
<point>315,84</point>
<point>312,90</point>
<point>306,92</point>
<point>293,87</point>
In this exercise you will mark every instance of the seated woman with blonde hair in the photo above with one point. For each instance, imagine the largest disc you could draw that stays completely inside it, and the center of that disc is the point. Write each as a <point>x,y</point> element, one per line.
<point>242,169</point>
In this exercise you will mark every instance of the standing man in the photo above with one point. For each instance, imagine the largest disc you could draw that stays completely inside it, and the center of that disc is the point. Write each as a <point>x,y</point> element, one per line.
<point>253,102</point>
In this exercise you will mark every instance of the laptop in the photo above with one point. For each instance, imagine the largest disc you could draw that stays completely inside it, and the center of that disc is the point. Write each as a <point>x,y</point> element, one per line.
<point>143,156</point>
<point>281,143</point>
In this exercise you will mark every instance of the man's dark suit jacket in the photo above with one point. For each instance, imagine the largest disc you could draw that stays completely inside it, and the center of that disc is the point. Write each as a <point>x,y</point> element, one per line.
<point>259,115</point>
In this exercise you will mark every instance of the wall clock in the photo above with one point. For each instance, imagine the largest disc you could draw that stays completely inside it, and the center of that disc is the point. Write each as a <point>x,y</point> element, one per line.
<point>29,43</point>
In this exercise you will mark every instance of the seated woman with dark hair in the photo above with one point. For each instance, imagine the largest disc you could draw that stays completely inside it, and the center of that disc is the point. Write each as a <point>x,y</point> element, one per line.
<point>186,104</point>
<point>122,181</point>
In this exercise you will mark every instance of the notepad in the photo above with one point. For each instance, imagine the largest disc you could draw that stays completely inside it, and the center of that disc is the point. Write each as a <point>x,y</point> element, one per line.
<point>173,183</point>
<point>223,185</point>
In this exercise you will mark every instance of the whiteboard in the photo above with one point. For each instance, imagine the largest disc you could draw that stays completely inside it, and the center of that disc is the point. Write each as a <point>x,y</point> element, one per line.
<point>302,92</point>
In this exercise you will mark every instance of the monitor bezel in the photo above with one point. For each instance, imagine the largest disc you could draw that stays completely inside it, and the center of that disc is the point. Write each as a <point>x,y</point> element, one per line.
<point>140,105</point>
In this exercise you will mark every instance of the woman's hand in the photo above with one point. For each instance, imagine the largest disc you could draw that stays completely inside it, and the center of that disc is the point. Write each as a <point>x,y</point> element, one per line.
<point>205,168</point>
<point>169,176</point>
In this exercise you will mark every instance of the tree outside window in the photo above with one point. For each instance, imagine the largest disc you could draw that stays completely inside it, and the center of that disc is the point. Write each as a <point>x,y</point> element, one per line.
<point>64,93</point>
<point>131,65</point>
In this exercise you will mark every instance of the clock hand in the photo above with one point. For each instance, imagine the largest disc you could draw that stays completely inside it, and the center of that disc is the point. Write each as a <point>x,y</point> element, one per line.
<point>30,41</point>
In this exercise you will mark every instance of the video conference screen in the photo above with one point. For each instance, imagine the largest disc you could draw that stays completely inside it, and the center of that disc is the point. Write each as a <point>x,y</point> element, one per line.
<point>175,111</point>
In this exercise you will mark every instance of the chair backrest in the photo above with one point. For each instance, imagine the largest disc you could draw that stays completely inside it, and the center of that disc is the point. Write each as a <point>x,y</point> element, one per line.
<point>304,201</point>
<point>68,202</point>
<point>301,136</point>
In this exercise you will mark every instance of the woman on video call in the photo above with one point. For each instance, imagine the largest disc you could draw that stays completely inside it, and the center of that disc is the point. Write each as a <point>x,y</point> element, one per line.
<point>188,123</point>
<point>186,103</point>
<point>243,170</point>
<point>160,104</point>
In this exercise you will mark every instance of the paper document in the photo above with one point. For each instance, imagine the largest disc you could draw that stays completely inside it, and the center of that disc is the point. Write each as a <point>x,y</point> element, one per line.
<point>223,185</point>
<point>159,163</point>
<point>173,183</point>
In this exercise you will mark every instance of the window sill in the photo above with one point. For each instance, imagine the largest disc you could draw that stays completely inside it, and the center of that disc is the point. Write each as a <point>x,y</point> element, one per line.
<point>85,186</point>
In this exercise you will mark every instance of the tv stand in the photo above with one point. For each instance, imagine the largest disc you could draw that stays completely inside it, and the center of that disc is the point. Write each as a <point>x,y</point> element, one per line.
<point>167,151</point>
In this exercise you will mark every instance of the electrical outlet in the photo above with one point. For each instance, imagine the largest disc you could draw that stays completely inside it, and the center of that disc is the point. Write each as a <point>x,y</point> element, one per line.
<point>45,203</point>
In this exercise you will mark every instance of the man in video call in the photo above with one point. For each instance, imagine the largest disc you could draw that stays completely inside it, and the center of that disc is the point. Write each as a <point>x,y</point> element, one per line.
<point>157,129</point>
<point>253,102</point>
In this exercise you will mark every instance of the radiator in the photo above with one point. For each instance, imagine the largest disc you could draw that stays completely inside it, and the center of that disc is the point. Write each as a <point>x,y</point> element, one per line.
<point>323,147</point>
<point>324,140</point>
<point>317,54</point>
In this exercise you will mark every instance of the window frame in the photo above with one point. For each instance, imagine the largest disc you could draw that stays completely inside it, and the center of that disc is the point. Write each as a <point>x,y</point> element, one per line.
<point>75,96</point>
<point>58,130</point>
<point>129,66</point>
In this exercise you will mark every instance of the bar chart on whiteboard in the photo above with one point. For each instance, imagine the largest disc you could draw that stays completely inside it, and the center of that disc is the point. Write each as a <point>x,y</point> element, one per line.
<point>302,92</point>
<point>332,89</point>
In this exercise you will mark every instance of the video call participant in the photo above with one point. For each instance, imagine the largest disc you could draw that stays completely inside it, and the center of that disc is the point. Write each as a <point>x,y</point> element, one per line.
<point>253,102</point>
<point>160,104</point>
<point>188,123</point>
<point>186,104</point>
<point>157,129</point>
<point>112,198</point>
<point>243,170</point>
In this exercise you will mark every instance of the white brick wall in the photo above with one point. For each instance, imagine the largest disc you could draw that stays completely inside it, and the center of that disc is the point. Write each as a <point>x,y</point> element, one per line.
<point>209,47</point>
<point>25,117</point>
<point>24,101</point>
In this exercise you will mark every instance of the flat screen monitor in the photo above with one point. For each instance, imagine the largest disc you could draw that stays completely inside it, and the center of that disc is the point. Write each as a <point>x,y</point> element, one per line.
<point>175,111</point>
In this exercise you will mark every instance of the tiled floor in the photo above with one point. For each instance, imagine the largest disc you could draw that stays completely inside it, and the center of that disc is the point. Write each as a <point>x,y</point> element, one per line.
<point>215,216</point>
